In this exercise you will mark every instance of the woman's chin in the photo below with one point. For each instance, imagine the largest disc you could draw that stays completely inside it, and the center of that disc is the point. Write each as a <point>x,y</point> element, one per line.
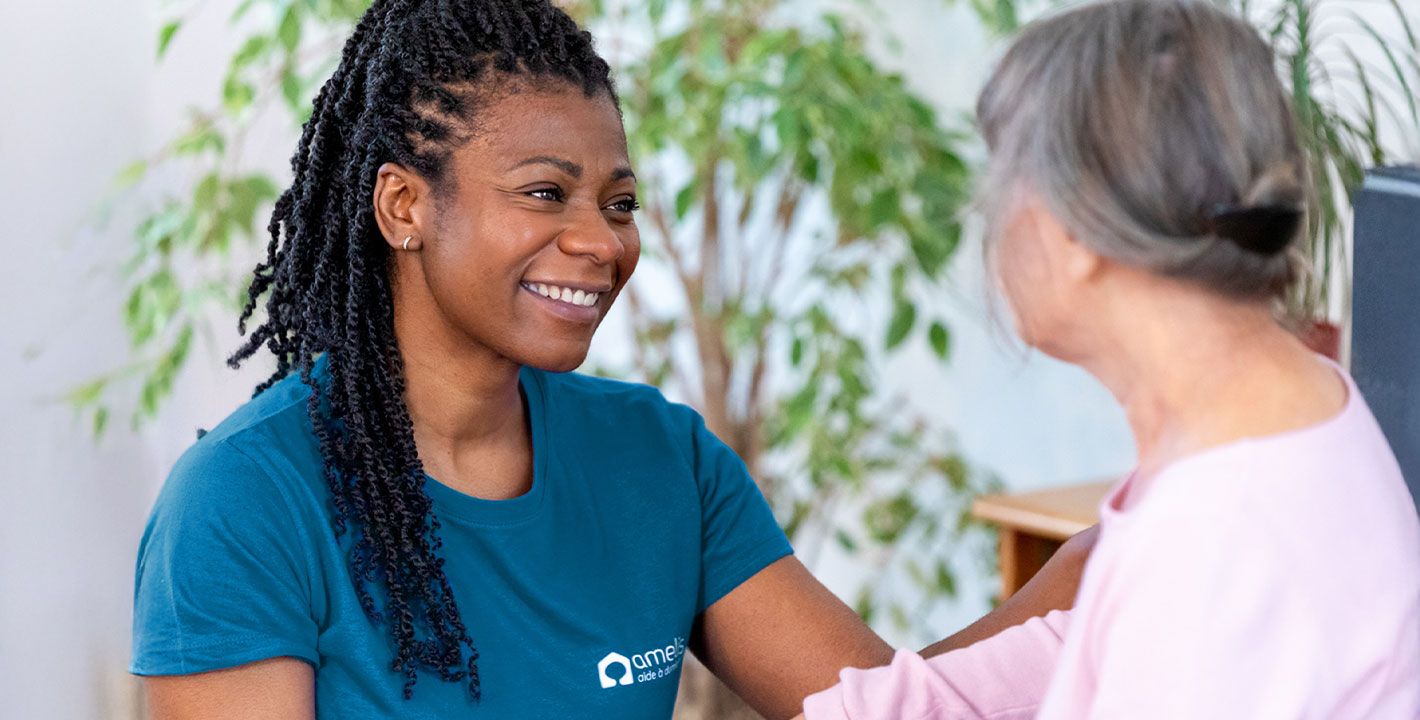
<point>566,358</point>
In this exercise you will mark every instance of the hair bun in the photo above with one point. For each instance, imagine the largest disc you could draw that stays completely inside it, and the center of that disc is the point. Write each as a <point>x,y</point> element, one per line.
<point>1262,229</point>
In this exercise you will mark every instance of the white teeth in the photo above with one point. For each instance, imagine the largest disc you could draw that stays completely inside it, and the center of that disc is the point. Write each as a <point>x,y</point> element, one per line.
<point>580,298</point>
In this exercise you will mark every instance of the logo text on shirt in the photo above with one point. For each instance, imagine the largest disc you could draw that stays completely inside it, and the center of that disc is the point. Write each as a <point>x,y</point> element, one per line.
<point>654,664</point>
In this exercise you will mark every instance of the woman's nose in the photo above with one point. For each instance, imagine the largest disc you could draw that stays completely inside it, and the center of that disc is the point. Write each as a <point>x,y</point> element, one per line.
<point>593,237</point>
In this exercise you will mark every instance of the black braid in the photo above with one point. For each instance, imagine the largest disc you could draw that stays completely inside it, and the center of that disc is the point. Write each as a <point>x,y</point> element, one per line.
<point>409,81</point>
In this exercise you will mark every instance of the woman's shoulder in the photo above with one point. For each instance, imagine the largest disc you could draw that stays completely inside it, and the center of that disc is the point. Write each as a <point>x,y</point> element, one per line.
<point>250,455</point>
<point>273,409</point>
<point>1289,497</point>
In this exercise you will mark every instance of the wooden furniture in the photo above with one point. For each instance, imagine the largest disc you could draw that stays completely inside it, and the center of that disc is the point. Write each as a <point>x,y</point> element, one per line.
<point>1034,524</point>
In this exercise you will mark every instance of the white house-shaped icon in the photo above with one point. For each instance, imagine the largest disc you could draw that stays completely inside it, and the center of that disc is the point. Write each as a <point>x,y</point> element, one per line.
<point>615,659</point>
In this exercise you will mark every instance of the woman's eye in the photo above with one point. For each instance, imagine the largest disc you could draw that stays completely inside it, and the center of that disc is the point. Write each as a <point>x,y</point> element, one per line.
<point>626,205</point>
<point>549,194</point>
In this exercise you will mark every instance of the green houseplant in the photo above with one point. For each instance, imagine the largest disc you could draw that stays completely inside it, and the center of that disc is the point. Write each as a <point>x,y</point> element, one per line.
<point>743,124</point>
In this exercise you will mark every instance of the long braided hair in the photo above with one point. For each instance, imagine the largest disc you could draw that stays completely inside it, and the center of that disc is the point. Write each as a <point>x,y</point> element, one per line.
<point>410,80</point>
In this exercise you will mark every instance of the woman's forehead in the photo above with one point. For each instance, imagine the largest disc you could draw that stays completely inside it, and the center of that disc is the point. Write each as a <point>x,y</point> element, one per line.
<point>561,123</point>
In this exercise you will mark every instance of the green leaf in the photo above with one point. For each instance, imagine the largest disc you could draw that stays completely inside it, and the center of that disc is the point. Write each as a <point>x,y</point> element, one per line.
<point>155,232</point>
<point>1398,72</point>
<point>100,421</point>
<point>845,540</point>
<point>802,511</point>
<point>130,174</point>
<point>899,617</point>
<point>904,315</point>
<point>292,91</point>
<point>151,305</point>
<point>939,339</point>
<point>202,137</point>
<point>684,200</point>
<point>956,471</point>
<point>289,33</point>
<point>241,10</point>
<point>165,36</point>
<point>237,95</point>
<point>204,196</point>
<point>946,581</point>
<point>88,393</point>
<point>244,197</point>
<point>798,412</point>
<point>865,607</point>
<point>933,248</point>
<point>158,385</point>
<point>883,208</point>
<point>254,47</point>
<point>886,520</point>
<point>897,282</point>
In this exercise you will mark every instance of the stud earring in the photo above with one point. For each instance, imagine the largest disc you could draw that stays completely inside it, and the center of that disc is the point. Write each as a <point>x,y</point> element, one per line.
<point>406,242</point>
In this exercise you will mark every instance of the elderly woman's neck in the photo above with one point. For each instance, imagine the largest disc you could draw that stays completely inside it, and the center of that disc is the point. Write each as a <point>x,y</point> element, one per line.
<point>1194,370</point>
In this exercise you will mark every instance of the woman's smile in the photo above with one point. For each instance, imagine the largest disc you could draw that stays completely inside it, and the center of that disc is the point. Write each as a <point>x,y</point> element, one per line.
<point>571,301</point>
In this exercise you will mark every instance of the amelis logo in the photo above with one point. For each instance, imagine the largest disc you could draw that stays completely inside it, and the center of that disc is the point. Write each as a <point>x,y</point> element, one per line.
<point>654,664</point>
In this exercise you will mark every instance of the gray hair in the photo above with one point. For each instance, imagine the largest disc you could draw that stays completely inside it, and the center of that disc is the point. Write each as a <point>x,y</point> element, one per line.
<point>1137,122</point>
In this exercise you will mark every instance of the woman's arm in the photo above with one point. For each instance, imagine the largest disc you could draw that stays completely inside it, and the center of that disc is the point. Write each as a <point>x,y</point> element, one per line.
<point>782,636</point>
<point>277,689</point>
<point>1053,588</point>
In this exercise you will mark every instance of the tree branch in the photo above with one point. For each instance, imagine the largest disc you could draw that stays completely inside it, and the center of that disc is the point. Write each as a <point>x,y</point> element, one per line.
<point>709,313</point>
<point>657,212</point>
<point>785,220</point>
<point>641,323</point>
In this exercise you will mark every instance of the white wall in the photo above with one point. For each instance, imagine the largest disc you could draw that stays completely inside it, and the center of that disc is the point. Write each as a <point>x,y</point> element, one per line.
<point>74,93</point>
<point>81,98</point>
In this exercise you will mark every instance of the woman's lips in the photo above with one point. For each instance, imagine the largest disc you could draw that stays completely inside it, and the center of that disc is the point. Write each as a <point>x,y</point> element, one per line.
<point>577,306</point>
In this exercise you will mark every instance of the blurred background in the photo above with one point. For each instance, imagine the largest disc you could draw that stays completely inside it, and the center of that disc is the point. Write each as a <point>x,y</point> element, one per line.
<point>812,283</point>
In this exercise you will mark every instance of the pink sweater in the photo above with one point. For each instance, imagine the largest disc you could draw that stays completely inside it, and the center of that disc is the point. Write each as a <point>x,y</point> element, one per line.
<point>1276,577</point>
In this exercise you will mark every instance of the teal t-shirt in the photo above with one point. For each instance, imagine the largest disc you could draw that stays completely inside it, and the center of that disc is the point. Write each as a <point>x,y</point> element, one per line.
<point>579,595</point>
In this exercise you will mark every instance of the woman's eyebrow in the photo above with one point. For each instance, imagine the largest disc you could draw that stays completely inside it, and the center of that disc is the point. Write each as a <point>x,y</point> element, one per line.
<point>566,166</point>
<point>570,167</point>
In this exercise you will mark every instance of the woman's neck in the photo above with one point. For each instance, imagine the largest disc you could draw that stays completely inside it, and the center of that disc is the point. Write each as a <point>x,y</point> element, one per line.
<point>470,424</point>
<point>461,402</point>
<point>1194,371</point>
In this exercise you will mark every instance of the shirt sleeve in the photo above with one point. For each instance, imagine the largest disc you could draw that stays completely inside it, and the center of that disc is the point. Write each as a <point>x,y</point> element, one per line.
<point>222,576</point>
<point>1004,677</point>
<point>738,533</point>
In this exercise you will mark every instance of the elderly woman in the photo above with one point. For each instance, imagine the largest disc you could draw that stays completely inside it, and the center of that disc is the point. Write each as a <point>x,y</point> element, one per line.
<point>1146,191</point>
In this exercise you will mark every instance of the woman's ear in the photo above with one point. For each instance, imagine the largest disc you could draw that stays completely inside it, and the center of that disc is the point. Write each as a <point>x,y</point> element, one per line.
<point>1076,261</point>
<point>402,206</point>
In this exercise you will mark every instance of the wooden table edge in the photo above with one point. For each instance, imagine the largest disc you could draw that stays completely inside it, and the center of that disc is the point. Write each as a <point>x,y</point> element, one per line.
<point>1021,519</point>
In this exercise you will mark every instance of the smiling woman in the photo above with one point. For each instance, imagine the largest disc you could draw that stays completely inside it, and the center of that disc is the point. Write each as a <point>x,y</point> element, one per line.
<point>422,491</point>
<point>527,221</point>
